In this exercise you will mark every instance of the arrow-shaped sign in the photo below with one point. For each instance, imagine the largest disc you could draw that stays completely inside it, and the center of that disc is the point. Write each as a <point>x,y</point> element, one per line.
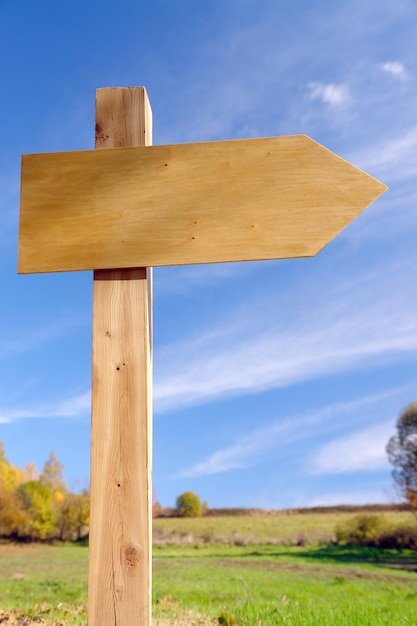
<point>251,199</point>
<point>166,205</point>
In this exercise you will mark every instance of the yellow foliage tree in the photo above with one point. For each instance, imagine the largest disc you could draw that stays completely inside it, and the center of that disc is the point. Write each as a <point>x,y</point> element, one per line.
<point>39,518</point>
<point>10,475</point>
<point>189,505</point>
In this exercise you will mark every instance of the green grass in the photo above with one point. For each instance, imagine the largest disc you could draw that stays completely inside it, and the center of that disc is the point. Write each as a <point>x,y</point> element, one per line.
<point>45,581</point>
<point>287,585</point>
<point>264,584</point>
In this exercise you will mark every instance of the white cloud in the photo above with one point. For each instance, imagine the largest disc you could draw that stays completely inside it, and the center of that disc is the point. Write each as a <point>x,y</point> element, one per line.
<point>256,445</point>
<point>77,405</point>
<point>391,160</point>
<point>71,407</point>
<point>330,93</point>
<point>343,326</point>
<point>395,68</point>
<point>363,450</point>
<point>244,451</point>
<point>32,338</point>
<point>371,495</point>
<point>185,278</point>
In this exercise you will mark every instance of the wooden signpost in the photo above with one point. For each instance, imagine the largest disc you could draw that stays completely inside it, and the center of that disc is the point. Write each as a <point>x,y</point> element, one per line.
<point>121,211</point>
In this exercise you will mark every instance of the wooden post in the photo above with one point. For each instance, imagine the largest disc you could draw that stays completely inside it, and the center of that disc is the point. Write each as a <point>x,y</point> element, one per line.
<point>121,492</point>
<point>171,205</point>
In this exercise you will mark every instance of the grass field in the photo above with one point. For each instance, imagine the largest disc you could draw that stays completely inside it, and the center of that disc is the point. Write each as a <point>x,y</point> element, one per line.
<point>290,528</point>
<point>271,585</point>
<point>44,583</point>
<point>201,582</point>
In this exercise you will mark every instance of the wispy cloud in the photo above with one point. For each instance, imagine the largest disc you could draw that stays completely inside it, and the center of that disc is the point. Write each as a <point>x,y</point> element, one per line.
<point>256,445</point>
<point>346,325</point>
<point>182,279</point>
<point>372,494</point>
<point>395,68</point>
<point>33,338</point>
<point>363,450</point>
<point>332,94</point>
<point>392,160</point>
<point>71,407</point>
<point>244,452</point>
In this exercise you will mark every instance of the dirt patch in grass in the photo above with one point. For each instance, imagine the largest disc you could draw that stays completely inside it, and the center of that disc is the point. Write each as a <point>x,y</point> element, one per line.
<point>320,570</point>
<point>17,618</point>
<point>190,619</point>
<point>171,614</point>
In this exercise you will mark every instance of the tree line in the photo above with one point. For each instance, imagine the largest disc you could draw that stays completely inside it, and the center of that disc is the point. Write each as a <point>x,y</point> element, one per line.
<point>39,506</point>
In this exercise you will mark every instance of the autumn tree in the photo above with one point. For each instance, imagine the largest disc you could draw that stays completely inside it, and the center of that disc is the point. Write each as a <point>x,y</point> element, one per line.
<point>11,513</point>
<point>52,474</point>
<point>40,507</point>
<point>30,472</point>
<point>74,517</point>
<point>10,506</point>
<point>10,475</point>
<point>402,454</point>
<point>189,505</point>
<point>39,517</point>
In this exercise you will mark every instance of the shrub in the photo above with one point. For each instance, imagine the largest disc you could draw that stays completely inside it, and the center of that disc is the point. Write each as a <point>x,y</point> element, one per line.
<point>189,505</point>
<point>368,530</point>
<point>361,530</point>
<point>402,537</point>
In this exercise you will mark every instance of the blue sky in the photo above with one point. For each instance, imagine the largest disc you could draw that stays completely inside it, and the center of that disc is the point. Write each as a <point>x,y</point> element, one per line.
<point>276,384</point>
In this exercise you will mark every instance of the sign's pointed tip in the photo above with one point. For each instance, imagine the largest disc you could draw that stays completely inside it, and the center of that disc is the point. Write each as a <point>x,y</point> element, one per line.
<point>380,188</point>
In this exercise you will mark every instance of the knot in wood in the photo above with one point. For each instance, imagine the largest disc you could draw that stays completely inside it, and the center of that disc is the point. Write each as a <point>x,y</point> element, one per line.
<point>131,556</point>
<point>101,136</point>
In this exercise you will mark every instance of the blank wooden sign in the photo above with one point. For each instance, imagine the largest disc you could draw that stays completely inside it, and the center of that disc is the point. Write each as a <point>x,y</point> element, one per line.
<point>252,199</point>
<point>138,207</point>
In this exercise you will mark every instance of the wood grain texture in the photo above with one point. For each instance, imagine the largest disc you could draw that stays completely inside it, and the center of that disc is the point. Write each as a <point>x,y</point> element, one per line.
<point>254,199</point>
<point>120,526</point>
